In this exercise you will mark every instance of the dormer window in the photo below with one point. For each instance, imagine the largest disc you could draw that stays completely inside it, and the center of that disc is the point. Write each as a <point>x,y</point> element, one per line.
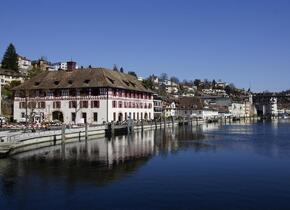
<point>56,82</point>
<point>70,82</point>
<point>36,83</point>
<point>111,80</point>
<point>127,83</point>
<point>87,81</point>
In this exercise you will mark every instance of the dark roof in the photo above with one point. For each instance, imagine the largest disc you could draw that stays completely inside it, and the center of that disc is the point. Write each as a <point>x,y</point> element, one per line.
<point>10,72</point>
<point>190,103</point>
<point>83,78</point>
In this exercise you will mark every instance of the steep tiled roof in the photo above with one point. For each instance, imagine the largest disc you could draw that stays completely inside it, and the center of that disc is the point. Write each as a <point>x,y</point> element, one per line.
<point>84,78</point>
<point>190,103</point>
<point>9,72</point>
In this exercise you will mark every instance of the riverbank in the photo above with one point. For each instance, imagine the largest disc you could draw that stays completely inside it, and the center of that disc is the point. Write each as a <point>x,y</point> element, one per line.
<point>23,142</point>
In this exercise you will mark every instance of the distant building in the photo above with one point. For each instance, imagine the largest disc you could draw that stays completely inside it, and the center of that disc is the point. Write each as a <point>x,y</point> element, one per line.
<point>266,105</point>
<point>243,108</point>
<point>7,76</point>
<point>157,106</point>
<point>59,66</point>
<point>206,114</point>
<point>221,84</point>
<point>170,86</point>
<point>170,109</point>
<point>24,64</point>
<point>43,64</point>
<point>187,107</point>
<point>238,109</point>
<point>64,65</point>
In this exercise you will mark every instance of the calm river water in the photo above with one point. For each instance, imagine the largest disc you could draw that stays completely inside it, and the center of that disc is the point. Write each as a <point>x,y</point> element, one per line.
<point>234,166</point>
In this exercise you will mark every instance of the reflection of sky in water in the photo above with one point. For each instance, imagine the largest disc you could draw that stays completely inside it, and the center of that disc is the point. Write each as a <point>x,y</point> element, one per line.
<point>238,166</point>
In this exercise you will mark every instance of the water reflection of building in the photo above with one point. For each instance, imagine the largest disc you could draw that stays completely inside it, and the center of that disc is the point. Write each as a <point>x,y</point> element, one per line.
<point>115,150</point>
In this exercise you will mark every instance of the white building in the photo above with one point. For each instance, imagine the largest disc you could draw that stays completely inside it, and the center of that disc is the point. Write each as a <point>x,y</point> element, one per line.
<point>59,66</point>
<point>24,64</point>
<point>170,110</point>
<point>87,96</point>
<point>158,106</point>
<point>206,114</point>
<point>8,75</point>
<point>238,109</point>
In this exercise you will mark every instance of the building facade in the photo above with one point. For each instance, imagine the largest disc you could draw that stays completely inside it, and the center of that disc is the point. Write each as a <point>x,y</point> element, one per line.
<point>24,64</point>
<point>83,96</point>
<point>8,75</point>
<point>158,106</point>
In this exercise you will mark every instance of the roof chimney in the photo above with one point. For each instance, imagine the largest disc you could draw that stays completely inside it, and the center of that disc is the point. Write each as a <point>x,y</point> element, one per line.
<point>71,65</point>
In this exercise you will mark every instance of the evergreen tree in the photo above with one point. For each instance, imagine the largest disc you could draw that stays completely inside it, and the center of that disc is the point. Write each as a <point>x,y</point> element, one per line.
<point>10,60</point>
<point>213,83</point>
<point>115,68</point>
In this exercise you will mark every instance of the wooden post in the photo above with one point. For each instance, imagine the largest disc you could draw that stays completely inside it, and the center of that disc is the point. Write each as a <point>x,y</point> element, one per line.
<point>63,134</point>
<point>86,131</point>
<point>113,128</point>
<point>54,139</point>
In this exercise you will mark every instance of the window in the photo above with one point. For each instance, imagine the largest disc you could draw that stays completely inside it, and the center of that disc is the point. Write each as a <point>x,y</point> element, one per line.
<point>103,91</point>
<point>95,104</point>
<point>73,116</point>
<point>41,105</point>
<point>56,104</point>
<point>72,92</point>
<point>84,104</point>
<point>114,104</point>
<point>22,115</point>
<point>95,116</point>
<point>138,116</point>
<point>73,104</point>
<point>134,116</point>
<point>120,93</point>
<point>84,116</point>
<point>141,115</point>
<point>95,91</point>
<point>149,105</point>
<point>125,115</point>
<point>120,104</point>
<point>114,116</point>
<point>22,105</point>
<point>31,105</point>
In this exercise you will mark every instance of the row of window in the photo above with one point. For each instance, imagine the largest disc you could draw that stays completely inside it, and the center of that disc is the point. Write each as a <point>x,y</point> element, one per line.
<point>127,94</point>
<point>84,116</point>
<point>134,116</point>
<point>84,104</point>
<point>130,105</point>
<point>32,105</point>
<point>57,104</point>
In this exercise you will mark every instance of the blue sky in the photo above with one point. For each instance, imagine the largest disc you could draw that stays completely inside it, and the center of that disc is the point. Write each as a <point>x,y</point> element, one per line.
<point>240,41</point>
